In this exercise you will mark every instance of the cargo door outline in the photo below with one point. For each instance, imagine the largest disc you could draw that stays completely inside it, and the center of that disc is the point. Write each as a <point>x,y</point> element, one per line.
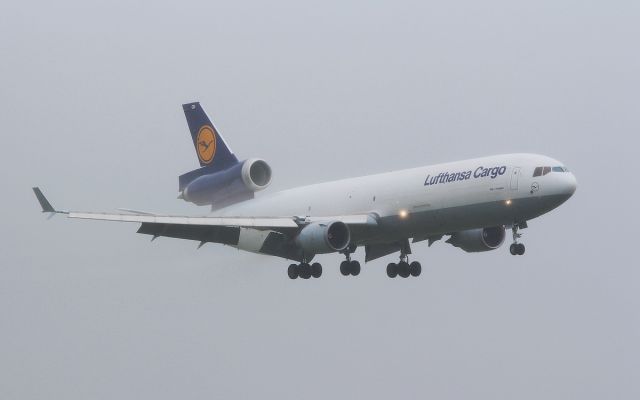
<point>515,174</point>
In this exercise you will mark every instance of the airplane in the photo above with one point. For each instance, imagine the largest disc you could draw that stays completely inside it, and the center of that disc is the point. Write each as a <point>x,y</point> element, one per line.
<point>472,202</point>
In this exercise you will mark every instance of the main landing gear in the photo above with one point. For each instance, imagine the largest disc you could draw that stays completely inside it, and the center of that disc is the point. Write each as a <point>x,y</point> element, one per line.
<point>403,268</point>
<point>305,270</point>
<point>349,266</point>
<point>516,249</point>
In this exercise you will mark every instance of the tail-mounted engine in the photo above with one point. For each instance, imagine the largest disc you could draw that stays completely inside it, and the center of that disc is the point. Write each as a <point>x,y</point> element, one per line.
<point>476,240</point>
<point>256,174</point>
<point>237,183</point>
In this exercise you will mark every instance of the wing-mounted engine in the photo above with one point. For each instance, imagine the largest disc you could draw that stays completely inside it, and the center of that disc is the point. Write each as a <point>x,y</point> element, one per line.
<point>219,188</point>
<point>477,240</point>
<point>324,237</point>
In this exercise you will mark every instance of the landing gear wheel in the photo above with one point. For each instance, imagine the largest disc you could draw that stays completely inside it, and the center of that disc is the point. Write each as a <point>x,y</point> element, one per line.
<point>513,249</point>
<point>517,249</point>
<point>344,268</point>
<point>316,270</point>
<point>354,268</point>
<point>292,271</point>
<point>415,268</point>
<point>392,270</point>
<point>305,271</point>
<point>403,269</point>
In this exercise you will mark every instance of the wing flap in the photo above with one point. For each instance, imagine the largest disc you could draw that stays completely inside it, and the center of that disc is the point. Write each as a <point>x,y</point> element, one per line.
<point>215,234</point>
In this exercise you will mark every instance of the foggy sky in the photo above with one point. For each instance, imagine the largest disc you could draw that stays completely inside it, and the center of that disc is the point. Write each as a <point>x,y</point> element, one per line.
<point>91,96</point>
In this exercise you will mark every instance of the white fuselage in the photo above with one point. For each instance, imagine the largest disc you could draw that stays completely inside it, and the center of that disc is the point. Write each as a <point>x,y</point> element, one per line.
<point>425,201</point>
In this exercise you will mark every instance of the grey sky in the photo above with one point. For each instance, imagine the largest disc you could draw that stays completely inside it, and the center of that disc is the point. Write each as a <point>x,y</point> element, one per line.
<point>90,111</point>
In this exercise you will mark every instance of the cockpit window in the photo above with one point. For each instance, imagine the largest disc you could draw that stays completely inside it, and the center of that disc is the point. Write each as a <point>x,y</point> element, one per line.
<point>542,171</point>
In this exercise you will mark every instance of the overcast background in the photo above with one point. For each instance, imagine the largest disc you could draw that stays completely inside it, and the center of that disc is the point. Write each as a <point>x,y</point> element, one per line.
<point>91,96</point>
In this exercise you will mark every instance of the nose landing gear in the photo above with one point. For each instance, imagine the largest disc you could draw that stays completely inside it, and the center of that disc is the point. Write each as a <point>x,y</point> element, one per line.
<point>517,249</point>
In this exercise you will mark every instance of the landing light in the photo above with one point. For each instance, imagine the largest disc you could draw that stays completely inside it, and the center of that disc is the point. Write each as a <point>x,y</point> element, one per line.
<point>403,214</point>
<point>507,202</point>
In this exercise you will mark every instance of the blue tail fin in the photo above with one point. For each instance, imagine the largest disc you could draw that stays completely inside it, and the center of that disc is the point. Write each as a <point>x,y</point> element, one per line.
<point>212,151</point>
<point>211,148</point>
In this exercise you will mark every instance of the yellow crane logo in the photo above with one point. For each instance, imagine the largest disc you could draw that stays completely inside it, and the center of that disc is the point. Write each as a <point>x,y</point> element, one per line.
<point>206,144</point>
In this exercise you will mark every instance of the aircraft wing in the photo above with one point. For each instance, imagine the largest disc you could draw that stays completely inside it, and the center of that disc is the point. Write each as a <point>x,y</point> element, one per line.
<point>225,230</point>
<point>243,222</point>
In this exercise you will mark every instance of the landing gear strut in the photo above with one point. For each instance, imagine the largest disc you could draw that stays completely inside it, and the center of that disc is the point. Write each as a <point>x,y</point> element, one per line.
<point>403,268</point>
<point>516,249</point>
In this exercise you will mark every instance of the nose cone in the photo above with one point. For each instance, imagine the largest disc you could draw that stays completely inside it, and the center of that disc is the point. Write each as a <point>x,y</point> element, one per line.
<point>571,185</point>
<point>564,186</point>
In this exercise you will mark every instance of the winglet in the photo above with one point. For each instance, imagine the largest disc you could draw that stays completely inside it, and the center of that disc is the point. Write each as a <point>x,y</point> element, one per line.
<point>44,203</point>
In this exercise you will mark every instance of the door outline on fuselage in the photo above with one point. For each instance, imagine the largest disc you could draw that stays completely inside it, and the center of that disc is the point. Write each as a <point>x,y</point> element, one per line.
<point>515,174</point>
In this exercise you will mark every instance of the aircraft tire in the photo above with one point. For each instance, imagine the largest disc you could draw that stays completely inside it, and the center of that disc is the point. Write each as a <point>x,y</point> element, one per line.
<point>513,249</point>
<point>305,271</point>
<point>292,271</point>
<point>521,249</point>
<point>354,268</point>
<point>415,268</point>
<point>403,269</point>
<point>316,270</point>
<point>392,270</point>
<point>344,268</point>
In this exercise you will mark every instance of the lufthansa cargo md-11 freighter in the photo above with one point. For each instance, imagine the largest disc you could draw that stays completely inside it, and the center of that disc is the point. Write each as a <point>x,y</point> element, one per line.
<point>473,202</point>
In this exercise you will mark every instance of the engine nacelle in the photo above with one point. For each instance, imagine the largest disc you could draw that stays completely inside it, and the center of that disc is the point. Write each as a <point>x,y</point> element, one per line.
<point>324,237</point>
<point>256,174</point>
<point>476,240</point>
<point>220,188</point>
